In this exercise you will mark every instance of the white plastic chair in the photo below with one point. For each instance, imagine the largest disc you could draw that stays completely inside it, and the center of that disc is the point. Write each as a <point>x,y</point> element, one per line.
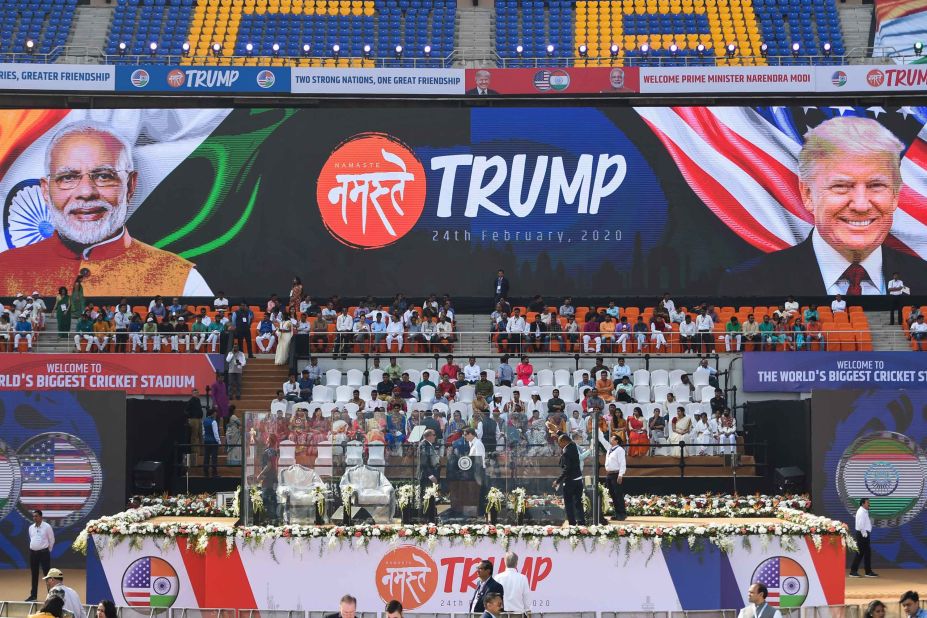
<point>545,377</point>
<point>376,454</point>
<point>707,393</point>
<point>466,394</point>
<point>700,377</point>
<point>302,405</point>
<point>568,393</point>
<point>374,377</point>
<point>333,377</point>
<point>505,391</point>
<point>352,409</point>
<point>427,394</point>
<point>641,377</point>
<point>526,391</point>
<point>279,406</point>
<point>464,408</point>
<point>681,392</point>
<point>354,453</point>
<point>327,408</point>
<point>443,407</point>
<point>546,392</point>
<point>659,377</point>
<point>343,394</point>
<point>660,392</point>
<point>490,375</point>
<point>562,377</point>
<point>415,376</point>
<point>322,393</point>
<point>642,393</point>
<point>287,453</point>
<point>366,392</point>
<point>355,377</point>
<point>675,376</point>
<point>578,376</point>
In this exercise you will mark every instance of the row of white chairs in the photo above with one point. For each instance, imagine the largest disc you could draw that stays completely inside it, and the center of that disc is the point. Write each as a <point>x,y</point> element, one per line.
<point>544,377</point>
<point>466,394</point>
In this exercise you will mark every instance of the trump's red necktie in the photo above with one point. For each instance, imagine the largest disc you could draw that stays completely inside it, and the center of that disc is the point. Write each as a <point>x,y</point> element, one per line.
<point>855,274</point>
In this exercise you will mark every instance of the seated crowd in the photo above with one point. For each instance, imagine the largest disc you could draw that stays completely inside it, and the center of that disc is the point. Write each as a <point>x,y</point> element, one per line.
<point>515,409</point>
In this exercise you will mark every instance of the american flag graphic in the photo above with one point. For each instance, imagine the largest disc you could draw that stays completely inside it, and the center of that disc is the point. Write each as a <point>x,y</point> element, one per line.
<point>742,162</point>
<point>60,476</point>
<point>150,582</point>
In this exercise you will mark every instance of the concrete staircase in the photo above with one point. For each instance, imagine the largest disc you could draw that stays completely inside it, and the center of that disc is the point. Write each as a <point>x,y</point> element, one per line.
<point>856,23</point>
<point>87,39</point>
<point>260,382</point>
<point>885,337</point>
<point>475,30</point>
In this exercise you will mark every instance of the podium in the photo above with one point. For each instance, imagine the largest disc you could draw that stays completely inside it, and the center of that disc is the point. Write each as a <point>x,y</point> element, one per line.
<point>466,477</point>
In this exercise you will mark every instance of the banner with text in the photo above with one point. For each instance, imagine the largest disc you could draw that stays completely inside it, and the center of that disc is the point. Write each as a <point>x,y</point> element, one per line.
<point>564,80</point>
<point>802,373</point>
<point>202,79</point>
<point>137,374</point>
<point>63,77</point>
<point>880,79</point>
<point>667,80</point>
<point>381,81</point>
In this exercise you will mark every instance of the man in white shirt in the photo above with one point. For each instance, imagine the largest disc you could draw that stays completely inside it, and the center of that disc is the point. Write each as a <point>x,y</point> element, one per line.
<point>838,304</point>
<point>703,327</point>
<point>712,372</point>
<point>471,371</point>
<point>895,289</point>
<point>121,319</point>
<point>615,467</point>
<point>235,362</point>
<point>41,542</point>
<point>476,445</point>
<point>919,332</point>
<point>515,587</point>
<point>515,327</point>
<point>757,606</point>
<point>620,370</point>
<point>863,528</point>
<point>344,324</point>
<point>221,302</point>
<point>394,332</point>
<point>54,582</point>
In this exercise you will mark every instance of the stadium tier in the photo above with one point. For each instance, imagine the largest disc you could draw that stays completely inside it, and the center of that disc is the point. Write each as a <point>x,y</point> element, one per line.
<point>328,33</point>
<point>35,26</point>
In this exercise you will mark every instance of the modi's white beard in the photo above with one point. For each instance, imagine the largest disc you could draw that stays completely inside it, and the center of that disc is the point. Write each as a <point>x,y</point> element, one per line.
<point>89,232</point>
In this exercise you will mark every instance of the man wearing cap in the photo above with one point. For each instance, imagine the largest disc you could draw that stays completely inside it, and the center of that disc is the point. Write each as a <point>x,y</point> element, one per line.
<point>182,335</point>
<point>19,303</point>
<point>23,331</point>
<point>54,582</point>
<point>149,331</point>
<point>41,542</point>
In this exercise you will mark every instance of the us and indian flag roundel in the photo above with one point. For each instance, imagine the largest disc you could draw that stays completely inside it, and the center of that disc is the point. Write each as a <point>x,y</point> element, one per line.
<point>150,582</point>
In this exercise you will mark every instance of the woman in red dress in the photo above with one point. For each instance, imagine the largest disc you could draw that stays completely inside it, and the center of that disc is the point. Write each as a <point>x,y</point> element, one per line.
<point>637,434</point>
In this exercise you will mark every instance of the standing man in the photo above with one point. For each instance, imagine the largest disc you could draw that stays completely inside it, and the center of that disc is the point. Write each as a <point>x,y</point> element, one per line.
<point>484,586</point>
<point>910,603</point>
<point>501,287</point>
<point>615,467</point>
<point>515,587</point>
<point>757,607</point>
<point>211,443</point>
<point>863,531</point>
<point>194,410</point>
<point>54,582</point>
<point>571,481</point>
<point>493,601</point>
<point>895,289</point>
<point>241,319</point>
<point>428,460</point>
<point>235,363</point>
<point>41,542</point>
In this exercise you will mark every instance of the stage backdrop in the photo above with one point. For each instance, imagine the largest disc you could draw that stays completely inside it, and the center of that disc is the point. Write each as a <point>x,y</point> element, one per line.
<point>870,443</point>
<point>63,453</point>
<point>273,574</point>
<point>374,201</point>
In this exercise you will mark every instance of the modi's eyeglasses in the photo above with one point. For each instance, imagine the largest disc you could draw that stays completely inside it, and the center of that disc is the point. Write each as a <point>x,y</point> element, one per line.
<point>102,178</point>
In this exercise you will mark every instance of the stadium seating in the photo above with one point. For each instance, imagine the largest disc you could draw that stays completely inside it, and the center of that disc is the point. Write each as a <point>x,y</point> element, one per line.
<point>247,31</point>
<point>44,22</point>
<point>663,24</point>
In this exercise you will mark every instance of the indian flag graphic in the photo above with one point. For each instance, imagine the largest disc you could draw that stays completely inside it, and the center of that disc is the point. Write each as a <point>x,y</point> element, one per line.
<point>785,580</point>
<point>887,468</point>
<point>150,582</point>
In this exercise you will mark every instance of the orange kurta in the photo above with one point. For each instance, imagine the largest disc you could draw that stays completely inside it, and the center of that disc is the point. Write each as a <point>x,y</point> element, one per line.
<point>120,267</point>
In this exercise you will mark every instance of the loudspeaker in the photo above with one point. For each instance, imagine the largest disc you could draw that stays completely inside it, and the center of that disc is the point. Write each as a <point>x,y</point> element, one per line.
<point>790,479</point>
<point>547,514</point>
<point>148,477</point>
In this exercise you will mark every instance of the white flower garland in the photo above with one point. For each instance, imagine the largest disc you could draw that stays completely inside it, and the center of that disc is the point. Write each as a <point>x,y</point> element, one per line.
<point>407,495</point>
<point>494,500</point>
<point>431,495</point>
<point>518,500</point>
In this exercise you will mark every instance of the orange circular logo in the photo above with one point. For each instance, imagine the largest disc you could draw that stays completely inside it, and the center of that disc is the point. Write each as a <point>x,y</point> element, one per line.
<point>408,575</point>
<point>371,191</point>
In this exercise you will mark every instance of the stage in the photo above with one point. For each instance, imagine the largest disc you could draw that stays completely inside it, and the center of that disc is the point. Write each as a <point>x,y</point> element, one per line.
<point>675,563</point>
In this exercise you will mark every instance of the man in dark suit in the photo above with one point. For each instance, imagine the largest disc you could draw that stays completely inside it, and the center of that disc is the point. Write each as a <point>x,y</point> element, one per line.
<point>482,84</point>
<point>849,180</point>
<point>493,605</point>
<point>570,481</point>
<point>428,460</point>
<point>500,287</point>
<point>347,608</point>
<point>484,586</point>
<point>242,319</point>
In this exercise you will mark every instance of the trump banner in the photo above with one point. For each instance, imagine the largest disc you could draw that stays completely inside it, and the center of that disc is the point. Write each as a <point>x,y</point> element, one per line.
<point>188,202</point>
<point>803,373</point>
<point>148,374</point>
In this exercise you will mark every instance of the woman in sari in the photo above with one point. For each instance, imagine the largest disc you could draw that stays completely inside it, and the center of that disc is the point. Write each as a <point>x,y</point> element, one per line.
<point>284,335</point>
<point>637,434</point>
<point>618,426</point>
<point>62,311</point>
<point>296,295</point>
<point>606,387</point>
<point>395,431</point>
<point>233,439</point>
<point>299,434</point>
<point>679,430</point>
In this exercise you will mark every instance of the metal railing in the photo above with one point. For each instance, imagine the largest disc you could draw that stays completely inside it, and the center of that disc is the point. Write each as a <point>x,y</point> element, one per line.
<point>356,62</point>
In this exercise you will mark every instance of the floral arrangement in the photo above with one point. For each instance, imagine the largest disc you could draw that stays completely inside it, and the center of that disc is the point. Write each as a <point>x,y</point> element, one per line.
<point>694,506</point>
<point>198,505</point>
<point>347,497</point>
<point>318,496</point>
<point>518,500</point>
<point>257,499</point>
<point>430,496</point>
<point>494,500</point>
<point>407,496</point>
<point>606,499</point>
<point>133,525</point>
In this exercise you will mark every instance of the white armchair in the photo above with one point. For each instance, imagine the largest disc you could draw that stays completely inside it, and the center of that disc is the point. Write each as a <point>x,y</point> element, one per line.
<point>372,491</point>
<point>295,489</point>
